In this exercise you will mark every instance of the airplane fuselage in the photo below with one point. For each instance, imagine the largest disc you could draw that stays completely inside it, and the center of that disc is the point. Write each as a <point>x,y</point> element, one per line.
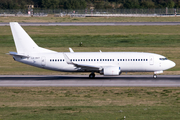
<point>127,61</point>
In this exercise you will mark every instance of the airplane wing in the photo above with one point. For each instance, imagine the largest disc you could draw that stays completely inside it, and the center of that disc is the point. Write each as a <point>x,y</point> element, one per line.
<point>89,67</point>
<point>82,66</point>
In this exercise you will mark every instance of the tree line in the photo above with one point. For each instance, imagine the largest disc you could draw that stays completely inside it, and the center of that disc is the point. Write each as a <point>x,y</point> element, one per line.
<point>83,4</point>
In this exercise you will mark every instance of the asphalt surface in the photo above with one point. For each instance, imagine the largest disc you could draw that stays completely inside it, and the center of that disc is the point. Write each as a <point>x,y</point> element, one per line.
<point>95,24</point>
<point>83,80</point>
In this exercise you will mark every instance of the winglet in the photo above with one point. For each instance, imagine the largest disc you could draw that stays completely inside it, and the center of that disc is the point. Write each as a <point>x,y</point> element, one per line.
<point>71,50</point>
<point>67,59</point>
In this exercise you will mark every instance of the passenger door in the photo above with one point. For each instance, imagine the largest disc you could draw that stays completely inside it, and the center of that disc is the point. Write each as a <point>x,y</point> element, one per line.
<point>151,60</point>
<point>43,61</point>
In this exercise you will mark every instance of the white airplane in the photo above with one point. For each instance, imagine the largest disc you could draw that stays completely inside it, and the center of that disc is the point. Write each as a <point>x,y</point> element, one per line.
<point>104,63</point>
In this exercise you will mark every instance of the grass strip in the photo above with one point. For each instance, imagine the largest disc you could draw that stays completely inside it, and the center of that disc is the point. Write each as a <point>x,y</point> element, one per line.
<point>136,103</point>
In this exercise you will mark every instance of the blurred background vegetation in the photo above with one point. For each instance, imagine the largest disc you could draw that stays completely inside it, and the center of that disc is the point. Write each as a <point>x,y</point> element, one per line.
<point>86,4</point>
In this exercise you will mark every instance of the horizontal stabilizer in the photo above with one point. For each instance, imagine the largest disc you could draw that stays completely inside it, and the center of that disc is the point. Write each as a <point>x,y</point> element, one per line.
<point>16,54</point>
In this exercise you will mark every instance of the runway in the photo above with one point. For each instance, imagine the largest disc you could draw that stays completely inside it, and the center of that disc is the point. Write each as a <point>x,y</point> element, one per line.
<point>94,23</point>
<point>83,80</point>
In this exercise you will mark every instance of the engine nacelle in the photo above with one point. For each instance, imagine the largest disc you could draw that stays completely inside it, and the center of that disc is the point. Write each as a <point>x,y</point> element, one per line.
<point>111,70</point>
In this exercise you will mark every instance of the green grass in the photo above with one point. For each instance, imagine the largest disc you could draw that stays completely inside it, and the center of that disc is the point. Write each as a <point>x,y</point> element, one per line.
<point>99,40</point>
<point>96,30</point>
<point>91,113</point>
<point>99,36</point>
<point>105,103</point>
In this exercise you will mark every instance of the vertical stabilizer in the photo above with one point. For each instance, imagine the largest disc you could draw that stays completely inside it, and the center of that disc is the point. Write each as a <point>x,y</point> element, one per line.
<point>24,43</point>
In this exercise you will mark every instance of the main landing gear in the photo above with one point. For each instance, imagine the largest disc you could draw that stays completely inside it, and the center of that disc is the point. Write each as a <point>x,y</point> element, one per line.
<point>92,75</point>
<point>154,76</point>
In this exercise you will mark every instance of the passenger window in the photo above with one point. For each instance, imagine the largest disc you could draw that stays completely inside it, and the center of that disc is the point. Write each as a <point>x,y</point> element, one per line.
<point>94,59</point>
<point>97,59</point>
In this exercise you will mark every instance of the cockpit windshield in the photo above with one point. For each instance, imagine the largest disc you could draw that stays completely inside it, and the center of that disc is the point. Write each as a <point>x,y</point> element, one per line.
<point>162,58</point>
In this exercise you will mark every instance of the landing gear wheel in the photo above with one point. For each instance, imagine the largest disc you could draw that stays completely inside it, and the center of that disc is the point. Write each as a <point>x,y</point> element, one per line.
<point>92,75</point>
<point>154,76</point>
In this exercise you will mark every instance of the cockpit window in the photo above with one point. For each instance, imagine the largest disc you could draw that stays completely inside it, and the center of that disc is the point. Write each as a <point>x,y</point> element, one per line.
<point>162,58</point>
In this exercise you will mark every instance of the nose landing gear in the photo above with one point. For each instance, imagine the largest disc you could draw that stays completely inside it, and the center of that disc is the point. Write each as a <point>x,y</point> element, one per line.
<point>154,76</point>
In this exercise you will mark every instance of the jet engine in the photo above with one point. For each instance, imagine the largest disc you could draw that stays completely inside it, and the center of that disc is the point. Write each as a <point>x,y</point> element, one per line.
<point>111,71</point>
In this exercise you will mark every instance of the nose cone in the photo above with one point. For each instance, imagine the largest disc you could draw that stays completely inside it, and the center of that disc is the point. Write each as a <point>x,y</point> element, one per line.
<point>171,64</point>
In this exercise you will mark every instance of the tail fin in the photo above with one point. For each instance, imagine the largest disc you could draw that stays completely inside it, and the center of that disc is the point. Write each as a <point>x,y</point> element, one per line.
<point>24,43</point>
